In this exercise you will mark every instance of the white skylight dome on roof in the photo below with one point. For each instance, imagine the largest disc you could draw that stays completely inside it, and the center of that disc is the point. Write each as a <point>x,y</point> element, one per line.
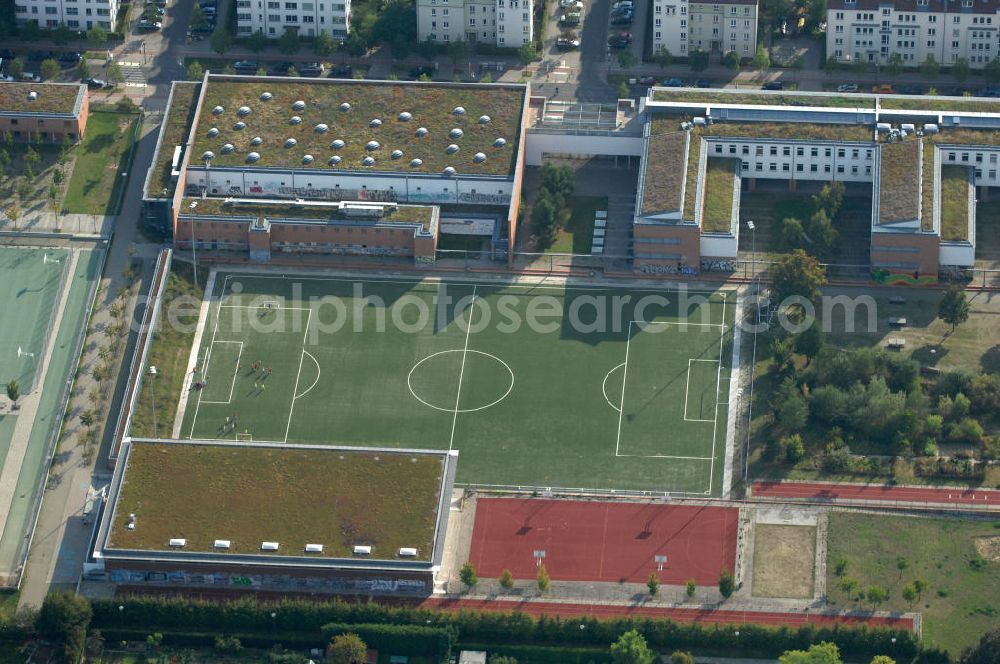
<point>291,143</point>
<point>479,157</point>
<point>299,106</point>
<point>252,157</point>
<point>452,149</point>
<point>375,123</point>
<point>266,96</point>
<point>337,144</point>
<point>228,148</point>
<point>322,128</point>
<point>334,160</point>
<point>484,119</point>
<point>405,116</point>
<point>240,126</point>
<point>396,154</point>
<point>345,107</point>
<point>213,132</point>
<point>243,111</point>
<point>295,120</point>
<point>368,161</point>
<point>218,110</point>
<point>448,170</point>
<point>372,145</point>
<point>458,110</point>
<point>500,142</point>
<point>416,163</point>
<point>307,159</point>
<point>420,132</point>
<point>207,155</point>
<point>456,133</point>
<point>256,140</point>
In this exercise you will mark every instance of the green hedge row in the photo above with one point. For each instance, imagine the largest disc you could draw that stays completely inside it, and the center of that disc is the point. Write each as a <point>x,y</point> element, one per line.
<point>434,642</point>
<point>545,654</point>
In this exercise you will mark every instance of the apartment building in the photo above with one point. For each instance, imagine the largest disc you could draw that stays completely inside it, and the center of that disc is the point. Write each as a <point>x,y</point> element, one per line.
<point>74,14</point>
<point>275,17</point>
<point>683,27</point>
<point>874,30</point>
<point>507,23</point>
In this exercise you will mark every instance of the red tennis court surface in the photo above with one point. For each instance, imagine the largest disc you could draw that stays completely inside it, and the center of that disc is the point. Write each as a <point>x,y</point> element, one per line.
<point>603,541</point>
<point>980,498</point>
<point>677,614</point>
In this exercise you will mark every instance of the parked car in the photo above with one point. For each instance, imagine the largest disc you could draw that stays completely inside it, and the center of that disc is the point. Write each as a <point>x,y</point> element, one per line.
<point>568,42</point>
<point>847,87</point>
<point>570,18</point>
<point>28,77</point>
<point>281,68</point>
<point>423,70</point>
<point>312,69</point>
<point>247,65</point>
<point>566,4</point>
<point>622,4</point>
<point>703,83</point>
<point>148,26</point>
<point>341,71</point>
<point>773,85</point>
<point>673,83</point>
<point>96,83</point>
<point>622,19</point>
<point>622,10</point>
<point>620,40</point>
<point>884,89</point>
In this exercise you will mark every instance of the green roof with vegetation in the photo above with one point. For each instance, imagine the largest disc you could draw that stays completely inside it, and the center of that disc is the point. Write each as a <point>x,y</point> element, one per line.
<point>293,496</point>
<point>927,188</point>
<point>965,136</point>
<point>321,121</point>
<point>899,182</point>
<point>173,132</point>
<point>665,159</point>
<point>53,98</point>
<point>954,202</point>
<point>282,209</point>
<point>761,98</point>
<point>921,103</point>
<point>717,210</point>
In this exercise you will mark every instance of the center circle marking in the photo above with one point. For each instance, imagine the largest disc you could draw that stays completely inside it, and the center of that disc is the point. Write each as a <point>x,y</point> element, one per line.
<point>409,381</point>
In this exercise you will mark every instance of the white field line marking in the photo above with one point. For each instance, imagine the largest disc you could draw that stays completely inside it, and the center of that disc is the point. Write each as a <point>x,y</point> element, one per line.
<point>302,356</point>
<point>250,306</point>
<point>318,371</point>
<point>604,386</point>
<point>461,372</point>
<point>236,369</point>
<point>664,456</point>
<point>687,387</point>
<point>204,365</point>
<point>621,410</point>
<point>718,386</point>
<point>674,322</point>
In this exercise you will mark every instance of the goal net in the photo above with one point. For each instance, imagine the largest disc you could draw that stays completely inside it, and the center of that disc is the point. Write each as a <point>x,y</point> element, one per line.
<point>244,436</point>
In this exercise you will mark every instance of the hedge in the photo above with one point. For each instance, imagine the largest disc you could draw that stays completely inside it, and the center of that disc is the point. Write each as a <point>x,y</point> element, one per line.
<point>435,642</point>
<point>306,618</point>
<point>545,654</point>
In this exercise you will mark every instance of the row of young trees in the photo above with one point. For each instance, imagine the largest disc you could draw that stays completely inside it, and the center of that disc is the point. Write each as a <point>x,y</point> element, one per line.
<point>930,68</point>
<point>700,60</point>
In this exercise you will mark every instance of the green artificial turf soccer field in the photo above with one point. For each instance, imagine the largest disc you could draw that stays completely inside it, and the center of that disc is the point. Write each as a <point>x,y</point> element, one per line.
<point>393,363</point>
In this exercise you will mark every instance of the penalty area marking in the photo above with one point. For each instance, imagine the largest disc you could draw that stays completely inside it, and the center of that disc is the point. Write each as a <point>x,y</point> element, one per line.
<point>236,369</point>
<point>456,409</point>
<point>316,380</point>
<point>687,391</point>
<point>604,386</point>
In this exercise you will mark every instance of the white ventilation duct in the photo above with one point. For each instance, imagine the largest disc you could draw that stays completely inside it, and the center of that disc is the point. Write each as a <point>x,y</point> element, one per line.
<point>397,154</point>
<point>243,111</point>
<point>479,157</point>
<point>240,126</point>
<point>291,143</point>
<point>322,128</point>
<point>256,140</point>
<point>252,157</point>
<point>372,145</point>
<point>456,133</point>
<point>420,132</point>
<point>484,119</point>
<point>207,155</point>
<point>458,110</point>
<point>405,116</point>
<point>452,149</point>
<point>307,159</point>
<point>337,144</point>
<point>416,163</point>
<point>448,170</point>
<point>375,124</point>
<point>368,161</point>
<point>266,96</point>
<point>213,132</point>
<point>334,160</point>
<point>228,148</point>
<point>345,107</point>
<point>218,110</point>
<point>299,105</point>
<point>295,120</point>
<point>500,142</point>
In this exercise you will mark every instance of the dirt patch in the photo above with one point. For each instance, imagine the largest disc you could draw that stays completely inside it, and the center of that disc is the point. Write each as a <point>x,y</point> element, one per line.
<point>784,561</point>
<point>988,548</point>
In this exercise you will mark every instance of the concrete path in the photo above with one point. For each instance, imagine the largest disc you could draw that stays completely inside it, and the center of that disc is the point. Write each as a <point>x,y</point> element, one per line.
<point>28,407</point>
<point>45,221</point>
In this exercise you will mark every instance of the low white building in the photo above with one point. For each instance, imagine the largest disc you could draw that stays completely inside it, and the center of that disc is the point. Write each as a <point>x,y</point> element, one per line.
<point>683,27</point>
<point>506,23</point>
<point>872,31</point>
<point>74,14</point>
<point>275,17</point>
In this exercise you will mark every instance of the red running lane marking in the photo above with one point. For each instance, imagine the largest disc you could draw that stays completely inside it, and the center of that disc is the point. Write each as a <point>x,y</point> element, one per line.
<point>835,491</point>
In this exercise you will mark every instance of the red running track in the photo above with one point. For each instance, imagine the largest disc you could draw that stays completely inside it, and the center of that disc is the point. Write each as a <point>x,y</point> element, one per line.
<point>681,615</point>
<point>834,491</point>
<point>603,541</point>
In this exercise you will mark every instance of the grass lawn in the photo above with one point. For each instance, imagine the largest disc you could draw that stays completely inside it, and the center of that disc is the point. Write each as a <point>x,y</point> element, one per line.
<point>963,589</point>
<point>93,188</point>
<point>578,235</point>
<point>526,399</point>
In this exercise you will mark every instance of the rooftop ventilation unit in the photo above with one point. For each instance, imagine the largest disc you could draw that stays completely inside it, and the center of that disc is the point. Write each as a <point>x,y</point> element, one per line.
<point>686,126</point>
<point>32,96</point>
<point>334,160</point>
<point>213,132</point>
<point>416,163</point>
<point>266,96</point>
<point>479,157</point>
<point>253,157</point>
<point>337,144</point>
<point>368,161</point>
<point>405,116</point>
<point>314,548</point>
<point>345,107</point>
<point>456,133</point>
<point>458,110</point>
<point>362,550</point>
<point>407,552</point>
<point>484,119</point>
<point>883,126</point>
<point>420,132</point>
<point>375,124</point>
<point>500,142</point>
<point>448,170</point>
<point>908,128</point>
<point>299,106</point>
<point>452,149</point>
<point>207,155</point>
<point>291,143</point>
<point>321,128</point>
<point>221,544</point>
<point>240,126</point>
<point>256,140</point>
<point>372,145</point>
<point>931,129</point>
<point>268,546</point>
<point>178,542</point>
<point>218,110</point>
<point>295,120</point>
<point>228,148</point>
<point>243,111</point>
<point>307,159</point>
<point>396,154</point>
<point>699,121</point>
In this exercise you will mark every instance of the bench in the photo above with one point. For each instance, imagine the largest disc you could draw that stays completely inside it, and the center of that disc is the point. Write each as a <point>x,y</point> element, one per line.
<point>897,322</point>
<point>895,343</point>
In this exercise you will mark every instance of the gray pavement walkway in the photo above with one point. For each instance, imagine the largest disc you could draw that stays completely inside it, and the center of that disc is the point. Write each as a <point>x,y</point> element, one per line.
<point>35,221</point>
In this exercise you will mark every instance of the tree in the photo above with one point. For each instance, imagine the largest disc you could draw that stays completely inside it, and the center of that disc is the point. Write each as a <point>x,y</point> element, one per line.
<point>909,594</point>
<point>468,575</point>
<point>506,579</point>
<point>761,59</point>
<point>876,595</point>
<point>882,659</point>
<point>791,233</point>
<point>195,72</point>
<point>830,198</point>
<point>820,230</point>
<point>65,617</point>
<point>840,567</point>
<point>663,57</point>
<point>731,60</point>
<point>49,69</point>
<point>902,564</point>
<point>930,67</point>
<point>292,72</point>
<point>221,40</point>
<point>954,307</point>
<point>115,75</point>
<point>631,648</point>
<point>97,35</point>
<point>198,19</point>
<point>681,657</point>
<point>894,65</point>
<point>792,413</point>
<point>987,651</point>
<point>810,341</point>
<point>820,653</point>
<point>992,70</point>
<point>16,67</point>
<point>288,42</point>
<point>13,393</point>
<point>848,586</point>
<point>543,579</point>
<point>960,70</point>
<point>257,42</point>
<point>920,586</point>
<point>796,274</point>
<point>347,649</point>
<point>698,60</point>
<point>397,26</point>
<point>653,584</point>
<point>690,588</point>
<point>324,44</point>
<point>83,69</point>
<point>795,449</point>
<point>727,584</point>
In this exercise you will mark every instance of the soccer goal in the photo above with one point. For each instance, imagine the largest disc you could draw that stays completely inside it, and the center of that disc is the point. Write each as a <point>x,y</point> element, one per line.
<point>244,436</point>
<point>267,307</point>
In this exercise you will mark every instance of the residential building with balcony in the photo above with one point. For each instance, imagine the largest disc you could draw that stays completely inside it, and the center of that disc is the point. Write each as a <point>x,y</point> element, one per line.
<point>505,23</point>
<point>683,27</point>
<point>74,14</point>
<point>275,17</point>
